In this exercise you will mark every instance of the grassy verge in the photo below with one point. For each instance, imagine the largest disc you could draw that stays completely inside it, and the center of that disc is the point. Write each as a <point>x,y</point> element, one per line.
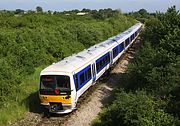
<point>26,100</point>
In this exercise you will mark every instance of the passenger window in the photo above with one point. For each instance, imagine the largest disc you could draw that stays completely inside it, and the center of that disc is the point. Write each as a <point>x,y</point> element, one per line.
<point>131,37</point>
<point>89,73</point>
<point>108,56</point>
<point>101,63</point>
<point>82,79</point>
<point>97,66</point>
<point>127,41</point>
<point>107,59</point>
<point>121,47</point>
<point>115,52</point>
<point>104,62</point>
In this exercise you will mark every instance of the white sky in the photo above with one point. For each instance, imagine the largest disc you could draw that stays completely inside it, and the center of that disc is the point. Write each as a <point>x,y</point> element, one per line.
<point>61,5</point>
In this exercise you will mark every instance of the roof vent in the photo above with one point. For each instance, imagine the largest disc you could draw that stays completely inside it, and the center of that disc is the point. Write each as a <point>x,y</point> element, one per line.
<point>102,45</point>
<point>89,52</point>
<point>81,57</point>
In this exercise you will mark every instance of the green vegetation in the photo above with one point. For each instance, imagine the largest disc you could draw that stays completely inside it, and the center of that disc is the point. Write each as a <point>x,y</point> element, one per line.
<point>14,109</point>
<point>150,94</point>
<point>142,15</point>
<point>134,109</point>
<point>28,42</point>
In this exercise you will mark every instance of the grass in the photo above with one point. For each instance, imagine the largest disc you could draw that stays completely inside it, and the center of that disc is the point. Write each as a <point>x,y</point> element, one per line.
<point>26,99</point>
<point>12,113</point>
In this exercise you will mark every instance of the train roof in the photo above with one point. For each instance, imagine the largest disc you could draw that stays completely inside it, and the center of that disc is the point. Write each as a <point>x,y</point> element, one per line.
<point>76,61</point>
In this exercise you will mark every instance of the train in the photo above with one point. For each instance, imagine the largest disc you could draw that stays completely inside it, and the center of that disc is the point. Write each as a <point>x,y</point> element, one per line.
<point>62,83</point>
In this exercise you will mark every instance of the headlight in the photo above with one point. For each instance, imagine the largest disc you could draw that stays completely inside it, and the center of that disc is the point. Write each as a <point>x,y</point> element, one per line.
<point>67,107</point>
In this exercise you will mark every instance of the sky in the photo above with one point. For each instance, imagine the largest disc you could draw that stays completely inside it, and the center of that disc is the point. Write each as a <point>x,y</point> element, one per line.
<point>61,5</point>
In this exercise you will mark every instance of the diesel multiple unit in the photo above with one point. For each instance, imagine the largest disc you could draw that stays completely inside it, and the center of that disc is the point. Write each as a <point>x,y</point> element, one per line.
<point>62,83</point>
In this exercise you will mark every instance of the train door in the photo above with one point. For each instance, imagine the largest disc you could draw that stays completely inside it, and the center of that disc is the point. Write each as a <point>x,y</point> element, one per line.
<point>74,89</point>
<point>94,72</point>
<point>124,45</point>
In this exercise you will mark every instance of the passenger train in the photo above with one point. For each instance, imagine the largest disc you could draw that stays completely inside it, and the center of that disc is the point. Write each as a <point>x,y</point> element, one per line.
<point>62,83</point>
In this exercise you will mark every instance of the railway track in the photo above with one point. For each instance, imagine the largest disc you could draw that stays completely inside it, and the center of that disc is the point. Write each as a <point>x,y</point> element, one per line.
<point>90,103</point>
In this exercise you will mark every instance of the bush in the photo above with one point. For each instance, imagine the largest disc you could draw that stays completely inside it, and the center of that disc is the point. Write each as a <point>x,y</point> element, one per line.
<point>134,109</point>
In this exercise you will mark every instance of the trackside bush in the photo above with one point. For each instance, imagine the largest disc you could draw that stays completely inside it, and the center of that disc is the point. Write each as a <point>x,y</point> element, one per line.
<point>134,109</point>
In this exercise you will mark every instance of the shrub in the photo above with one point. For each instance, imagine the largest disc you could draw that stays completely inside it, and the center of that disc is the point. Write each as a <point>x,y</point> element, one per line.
<point>134,109</point>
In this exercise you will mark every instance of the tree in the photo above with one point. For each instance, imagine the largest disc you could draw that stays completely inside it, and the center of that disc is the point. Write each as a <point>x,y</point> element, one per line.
<point>30,11</point>
<point>50,12</point>
<point>18,11</point>
<point>86,10</point>
<point>39,9</point>
<point>143,12</point>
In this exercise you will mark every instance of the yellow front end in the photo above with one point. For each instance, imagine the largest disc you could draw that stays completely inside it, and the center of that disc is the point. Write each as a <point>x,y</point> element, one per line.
<point>64,99</point>
<point>52,102</point>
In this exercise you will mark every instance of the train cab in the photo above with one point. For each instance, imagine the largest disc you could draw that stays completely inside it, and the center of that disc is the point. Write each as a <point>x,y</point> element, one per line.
<point>56,93</point>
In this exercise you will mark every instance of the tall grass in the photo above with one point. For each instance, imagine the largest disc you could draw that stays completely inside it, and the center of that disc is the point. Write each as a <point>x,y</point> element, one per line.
<point>15,109</point>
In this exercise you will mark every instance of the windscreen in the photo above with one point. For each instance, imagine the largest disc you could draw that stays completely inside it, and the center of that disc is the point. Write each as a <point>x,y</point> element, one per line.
<point>55,83</point>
